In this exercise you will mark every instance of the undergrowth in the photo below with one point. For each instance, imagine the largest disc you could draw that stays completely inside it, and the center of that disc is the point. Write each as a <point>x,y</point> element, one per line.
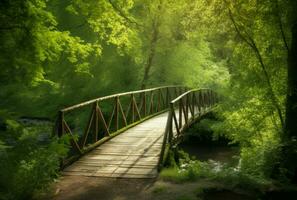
<point>180,167</point>
<point>186,170</point>
<point>29,159</point>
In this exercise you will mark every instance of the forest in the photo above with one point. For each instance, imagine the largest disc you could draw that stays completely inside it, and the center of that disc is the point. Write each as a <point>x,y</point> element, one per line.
<point>55,54</point>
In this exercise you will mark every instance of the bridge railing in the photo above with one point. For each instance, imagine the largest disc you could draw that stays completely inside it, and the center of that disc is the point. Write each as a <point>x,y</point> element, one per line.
<point>183,111</point>
<point>93,122</point>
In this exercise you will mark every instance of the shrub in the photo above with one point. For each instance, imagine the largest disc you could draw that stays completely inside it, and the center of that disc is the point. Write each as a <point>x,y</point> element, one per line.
<point>232,177</point>
<point>27,163</point>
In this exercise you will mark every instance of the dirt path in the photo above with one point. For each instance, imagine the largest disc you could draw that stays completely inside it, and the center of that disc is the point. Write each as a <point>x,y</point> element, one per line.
<point>91,188</point>
<point>97,188</point>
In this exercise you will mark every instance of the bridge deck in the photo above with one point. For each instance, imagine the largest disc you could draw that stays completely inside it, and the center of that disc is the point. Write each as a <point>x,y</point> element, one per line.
<point>132,154</point>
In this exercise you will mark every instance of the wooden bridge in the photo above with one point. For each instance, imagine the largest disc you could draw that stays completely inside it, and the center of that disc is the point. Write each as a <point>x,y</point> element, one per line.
<point>146,124</point>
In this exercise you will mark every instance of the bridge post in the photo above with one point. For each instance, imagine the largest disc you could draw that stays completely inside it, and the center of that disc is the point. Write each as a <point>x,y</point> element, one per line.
<point>168,136</point>
<point>144,104</point>
<point>180,118</point>
<point>193,104</point>
<point>170,131</point>
<point>159,101</point>
<point>187,109</point>
<point>132,107</point>
<point>199,102</point>
<point>96,121</point>
<point>151,108</point>
<point>117,112</point>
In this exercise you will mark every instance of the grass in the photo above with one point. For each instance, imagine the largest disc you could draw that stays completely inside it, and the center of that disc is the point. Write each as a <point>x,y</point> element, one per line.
<point>159,189</point>
<point>172,174</point>
<point>192,170</point>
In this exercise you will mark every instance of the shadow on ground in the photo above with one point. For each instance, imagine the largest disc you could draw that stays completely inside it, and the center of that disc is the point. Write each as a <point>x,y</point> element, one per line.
<point>93,188</point>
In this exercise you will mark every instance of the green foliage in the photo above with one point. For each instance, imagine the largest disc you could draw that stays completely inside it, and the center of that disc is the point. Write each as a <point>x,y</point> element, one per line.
<point>96,48</point>
<point>58,53</point>
<point>202,131</point>
<point>171,160</point>
<point>232,177</point>
<point>28,164</point>
<point>253,127</point>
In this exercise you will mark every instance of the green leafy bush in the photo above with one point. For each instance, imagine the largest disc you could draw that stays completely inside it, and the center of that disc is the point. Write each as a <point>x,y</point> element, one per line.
<point>232,177</point>
<point>201,131</point>
<point>28,163</point>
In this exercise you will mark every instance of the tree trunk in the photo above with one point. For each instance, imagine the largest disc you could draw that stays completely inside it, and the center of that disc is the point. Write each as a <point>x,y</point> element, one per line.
<point>291,105</point>
<point>290,147</point>
<point>151,54</point>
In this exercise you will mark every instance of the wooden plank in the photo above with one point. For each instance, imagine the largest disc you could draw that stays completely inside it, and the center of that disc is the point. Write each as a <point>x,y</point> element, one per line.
<point>133,154</point>
<point>120,163</point>
<point>128,170</point>
<point>129,152</point>
<point>107,167</point>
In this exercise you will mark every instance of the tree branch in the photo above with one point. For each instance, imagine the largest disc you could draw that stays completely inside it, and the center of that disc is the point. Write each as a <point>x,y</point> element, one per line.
<point>122,14</point>
<point>250,41</point>
<point>281,27</point>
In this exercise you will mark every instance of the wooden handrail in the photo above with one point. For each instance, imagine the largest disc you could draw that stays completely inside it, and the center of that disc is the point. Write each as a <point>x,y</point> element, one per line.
<point>183,111</point>
<point>184,94</point>
<point>113,96</point>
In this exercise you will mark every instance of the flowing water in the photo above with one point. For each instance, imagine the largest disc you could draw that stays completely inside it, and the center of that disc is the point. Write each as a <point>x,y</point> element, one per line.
<point>204,152</point>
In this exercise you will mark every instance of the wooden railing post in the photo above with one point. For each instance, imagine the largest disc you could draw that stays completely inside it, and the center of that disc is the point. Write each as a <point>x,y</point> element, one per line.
<point>193,103</point>
<point>133,108</point>
<point>159,101</point>
<point>199,103</point>
<point>102,119</point>
<point>168,135</point>
<point>87,130</point>
<point>163,97</point>
<point>117,112</point>
<point>96,121</point>
<point>144,104</point>
<point>187,108</point>
<point>169,123</point>
<point>180,119</point>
